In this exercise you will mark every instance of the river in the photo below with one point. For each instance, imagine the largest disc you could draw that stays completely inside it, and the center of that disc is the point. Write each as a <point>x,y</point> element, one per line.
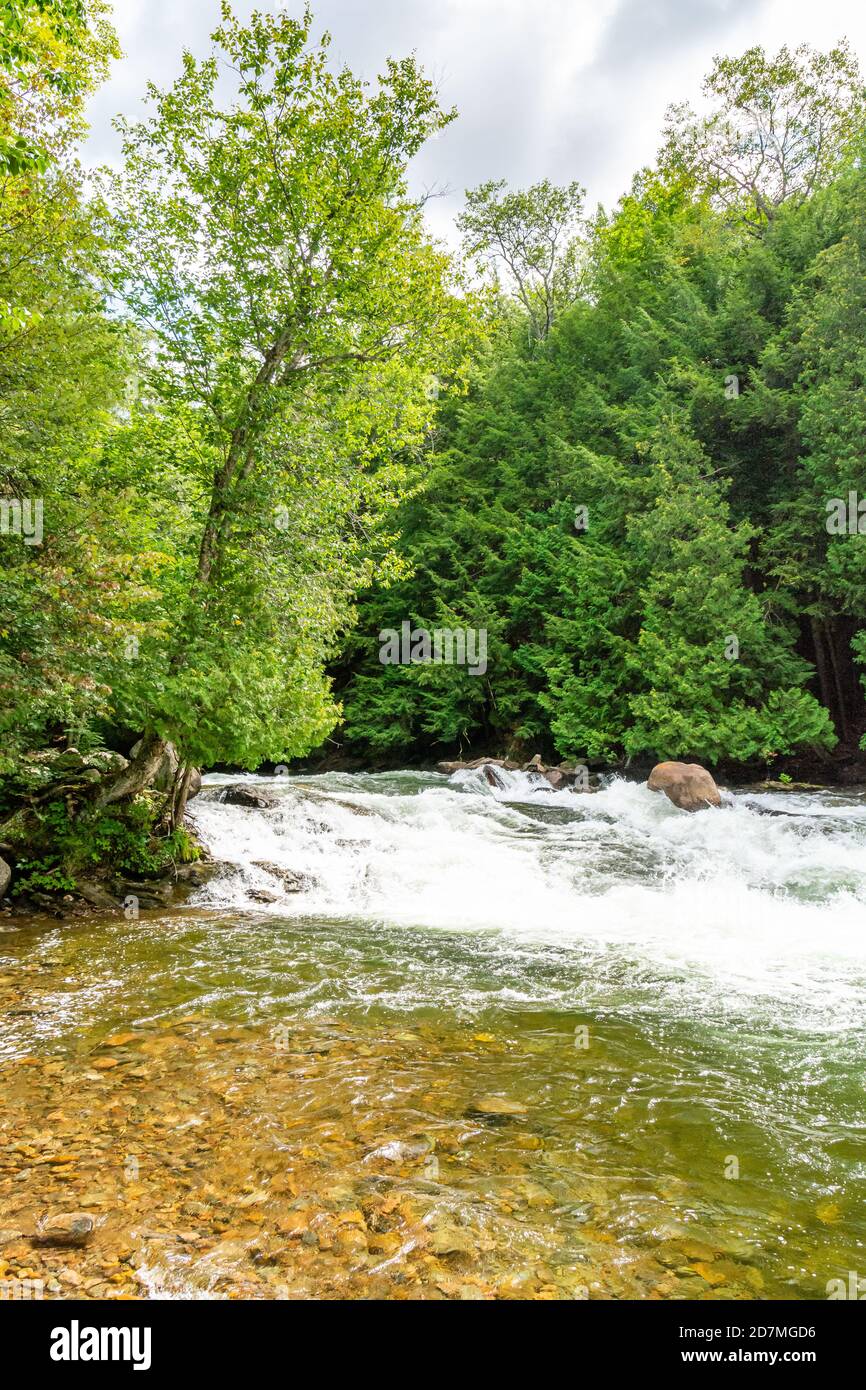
<point>506,1043</point>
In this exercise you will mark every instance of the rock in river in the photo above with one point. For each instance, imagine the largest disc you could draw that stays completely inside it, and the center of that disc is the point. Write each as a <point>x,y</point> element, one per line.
<point>292,882</point>
<point>247,795</point>
<point>687,785</point>
<point>497,1105</point>
<point>65,1228</point>
<point>449,1240</point>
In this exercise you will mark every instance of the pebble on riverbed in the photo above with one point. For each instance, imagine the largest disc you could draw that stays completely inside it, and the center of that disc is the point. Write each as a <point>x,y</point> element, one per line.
<point>497,1106</point>
<point>148,1178</point>
<point>65,1228</point>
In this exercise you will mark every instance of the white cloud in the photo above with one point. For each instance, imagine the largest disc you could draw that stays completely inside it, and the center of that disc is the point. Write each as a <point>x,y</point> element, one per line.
<point>564,89</point>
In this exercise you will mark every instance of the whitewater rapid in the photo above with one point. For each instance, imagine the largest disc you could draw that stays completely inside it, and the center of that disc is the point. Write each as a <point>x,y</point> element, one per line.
<point>756,910</point>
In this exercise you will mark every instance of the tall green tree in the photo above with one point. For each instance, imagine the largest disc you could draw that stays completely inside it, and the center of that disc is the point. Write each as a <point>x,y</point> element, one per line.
<point>532,238</point>
<point>777,129</point>
<point>64,367</point>
<point>267,241</point>
<point>695,405</point>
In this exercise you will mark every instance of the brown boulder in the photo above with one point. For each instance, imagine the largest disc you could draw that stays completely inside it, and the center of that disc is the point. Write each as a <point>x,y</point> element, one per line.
<point>687,785</point>
<point>65,1228</point>
<point>556,777</point>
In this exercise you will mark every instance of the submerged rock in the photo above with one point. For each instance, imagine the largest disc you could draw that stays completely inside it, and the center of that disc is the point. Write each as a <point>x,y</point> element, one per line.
<point>412,1150</point>
<point>497,1105</point>
<point>494,777</point>
<point>688,785</point>
<point>292,882</point>
<point>64,1228</point>
<point>245,794</point>
<point>451,1240</point>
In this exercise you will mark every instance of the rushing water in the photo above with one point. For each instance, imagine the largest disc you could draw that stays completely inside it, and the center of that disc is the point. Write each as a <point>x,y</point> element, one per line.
<point>506,1042</point>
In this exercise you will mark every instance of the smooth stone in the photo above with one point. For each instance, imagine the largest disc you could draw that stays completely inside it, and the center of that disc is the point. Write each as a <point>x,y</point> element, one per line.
<point>688,785</point>
<point>65,1228</point>
<point>246,795</point>
<point>498,1105</point>
<point>450,1240</point>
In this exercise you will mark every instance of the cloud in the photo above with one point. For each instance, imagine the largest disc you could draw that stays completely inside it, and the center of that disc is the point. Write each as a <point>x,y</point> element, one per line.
<point>559,89</point>
<point>641,31</point>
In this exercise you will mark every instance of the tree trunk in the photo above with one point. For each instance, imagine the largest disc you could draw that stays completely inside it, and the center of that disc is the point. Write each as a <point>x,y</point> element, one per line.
<point>821,664</point>
<point>844,727</point>
<point>138,775</point>
<point>181,792</point>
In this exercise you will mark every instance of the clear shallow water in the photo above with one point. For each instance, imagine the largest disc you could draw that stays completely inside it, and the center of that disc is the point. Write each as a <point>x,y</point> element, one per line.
<point>666,1000</point>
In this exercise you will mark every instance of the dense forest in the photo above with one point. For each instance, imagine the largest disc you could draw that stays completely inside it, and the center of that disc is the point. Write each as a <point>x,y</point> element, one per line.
<point>650,496</point>
<point>253,416</point>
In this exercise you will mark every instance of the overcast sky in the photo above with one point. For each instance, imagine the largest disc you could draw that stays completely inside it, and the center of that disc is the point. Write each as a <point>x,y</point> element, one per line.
<point>562,89</point>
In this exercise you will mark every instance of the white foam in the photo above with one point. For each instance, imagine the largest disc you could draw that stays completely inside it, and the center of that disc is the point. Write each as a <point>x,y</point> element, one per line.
<point>732,903</point>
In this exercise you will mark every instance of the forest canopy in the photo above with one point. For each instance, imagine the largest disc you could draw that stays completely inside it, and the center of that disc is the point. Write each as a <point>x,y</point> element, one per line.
<point>636,496</point>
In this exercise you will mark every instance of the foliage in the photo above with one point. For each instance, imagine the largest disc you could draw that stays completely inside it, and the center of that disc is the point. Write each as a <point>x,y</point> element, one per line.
<point>265,418</point>
<point>214,374</point>
<point>533,235</point>
<point>777,129</point>
<point>297,311</point>
<point>52,54</point>
<point>697,405</point>
<point>59,847</point>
